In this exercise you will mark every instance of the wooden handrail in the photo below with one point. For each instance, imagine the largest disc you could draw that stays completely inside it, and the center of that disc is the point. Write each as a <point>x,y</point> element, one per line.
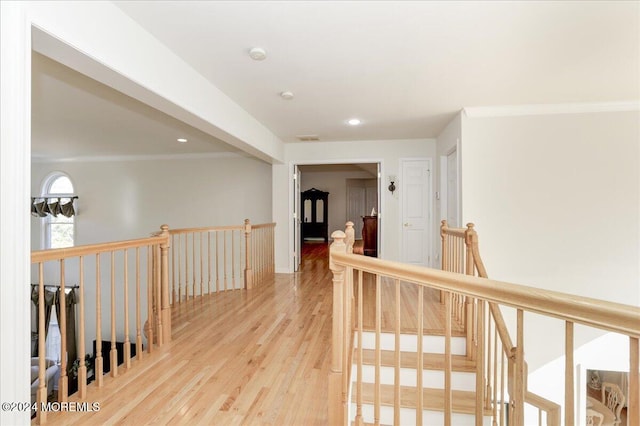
<point>597,313</point>
<point>62,253</point>
<point>208,228</point>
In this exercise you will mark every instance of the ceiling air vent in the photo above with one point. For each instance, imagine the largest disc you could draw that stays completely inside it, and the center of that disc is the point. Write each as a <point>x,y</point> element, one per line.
<point>308,138</point>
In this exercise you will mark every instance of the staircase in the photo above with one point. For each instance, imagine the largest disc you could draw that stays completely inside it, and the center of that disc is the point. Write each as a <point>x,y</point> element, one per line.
<point>463,380</point>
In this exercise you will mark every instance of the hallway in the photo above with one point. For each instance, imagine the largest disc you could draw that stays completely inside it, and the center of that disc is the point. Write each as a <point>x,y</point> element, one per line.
<point>240,357</point>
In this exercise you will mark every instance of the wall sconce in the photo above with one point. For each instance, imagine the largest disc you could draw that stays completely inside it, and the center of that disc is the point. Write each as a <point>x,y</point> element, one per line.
<point>392,186</point>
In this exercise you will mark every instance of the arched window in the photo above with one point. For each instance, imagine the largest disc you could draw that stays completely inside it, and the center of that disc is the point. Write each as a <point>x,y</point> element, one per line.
<point>58,229</point>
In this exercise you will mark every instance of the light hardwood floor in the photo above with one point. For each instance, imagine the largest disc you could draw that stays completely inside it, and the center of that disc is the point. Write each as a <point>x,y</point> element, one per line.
<point>240,357</point>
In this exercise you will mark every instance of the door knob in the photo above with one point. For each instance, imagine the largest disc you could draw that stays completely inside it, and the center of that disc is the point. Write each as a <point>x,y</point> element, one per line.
<point>406,225</point>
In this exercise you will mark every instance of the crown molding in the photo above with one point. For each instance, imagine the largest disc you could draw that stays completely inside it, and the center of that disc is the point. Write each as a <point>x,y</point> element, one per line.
<point>550,109</point>
<point>151,157</point>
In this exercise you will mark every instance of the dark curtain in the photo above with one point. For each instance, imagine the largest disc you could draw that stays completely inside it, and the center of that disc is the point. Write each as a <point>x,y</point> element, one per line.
<point>50,299</point>
<point>70,312</point>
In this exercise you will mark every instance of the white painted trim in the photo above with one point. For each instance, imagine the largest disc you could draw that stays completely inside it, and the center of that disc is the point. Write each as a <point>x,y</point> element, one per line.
<point>150,157</point>
<point>550,109</point>
<point>15,215</point>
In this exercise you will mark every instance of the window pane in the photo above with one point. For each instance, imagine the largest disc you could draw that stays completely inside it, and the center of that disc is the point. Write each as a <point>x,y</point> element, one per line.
<point>61,235</point>
<point>61,185</point>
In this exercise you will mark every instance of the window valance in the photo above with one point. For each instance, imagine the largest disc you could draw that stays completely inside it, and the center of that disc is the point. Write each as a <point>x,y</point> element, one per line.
<point>54,206</point>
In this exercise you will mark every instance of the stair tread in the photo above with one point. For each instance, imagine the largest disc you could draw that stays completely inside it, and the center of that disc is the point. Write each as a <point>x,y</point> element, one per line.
<point>430,361</point>
<point>432,399</point>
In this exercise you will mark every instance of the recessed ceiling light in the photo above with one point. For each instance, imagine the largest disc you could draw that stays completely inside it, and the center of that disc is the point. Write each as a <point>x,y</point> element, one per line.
<point>258,54</point>
<point>286,95</point>
<point>354,122</point>
<point>182,140</point>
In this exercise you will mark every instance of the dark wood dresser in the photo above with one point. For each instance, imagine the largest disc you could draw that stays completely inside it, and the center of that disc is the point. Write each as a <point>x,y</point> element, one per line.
<point>370,235</point>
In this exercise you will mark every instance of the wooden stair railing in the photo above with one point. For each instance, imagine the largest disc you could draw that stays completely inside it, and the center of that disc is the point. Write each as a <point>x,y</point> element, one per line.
<point>207,260</point>
<point>502,377</point>
<point>128,269</point>
<point>460,247</point>
<point>139,269</point>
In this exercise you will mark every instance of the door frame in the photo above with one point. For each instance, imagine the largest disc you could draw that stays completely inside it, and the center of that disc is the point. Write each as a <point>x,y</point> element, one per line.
<point>292,199</point>
<point>444,176</point>
<point>429,195</point>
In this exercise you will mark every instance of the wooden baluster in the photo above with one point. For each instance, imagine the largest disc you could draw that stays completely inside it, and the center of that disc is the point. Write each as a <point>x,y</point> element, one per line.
<point>254,260</point>
<point>186,266</point>
<point>337,412</point>
<point>201,268</point>
<point>63,383</point>
<point>113,354</point>
<point>480,356</point>
<point>494,386</point>
<point>396,379</point>
<point>97,369</point>
<point>569,414</point>
<point>151,321</point>
<point>248,272</point>
<point>359,420</point>
<point>138,319</point>
<point>193,265</point>
<point>163,288</point>
<point>420,358</point>
<point>233,259</point>
<point>447,359</point>
<point>519,387</point>
<point>376,406</point>
<point>157,295</point>
<point>209,262</point>
<point>42,383</point>
<point>179,268</point>
<point>503,361</point>
<point>82,369</point>
<point>173,270</point>
<point>217,265</point>
<point>488,356</point>
<point>127,342</point>
<point>224,253</point>
<point>346,333</point>
<point>633,405</point>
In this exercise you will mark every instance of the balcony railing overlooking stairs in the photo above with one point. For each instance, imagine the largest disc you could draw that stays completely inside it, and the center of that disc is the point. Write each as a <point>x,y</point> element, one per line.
<point>115,286</point>
<point>396,295</point>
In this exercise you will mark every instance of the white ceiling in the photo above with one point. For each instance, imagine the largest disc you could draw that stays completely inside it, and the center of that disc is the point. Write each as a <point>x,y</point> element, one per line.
<point>75,117</point>
<point>404,68</point>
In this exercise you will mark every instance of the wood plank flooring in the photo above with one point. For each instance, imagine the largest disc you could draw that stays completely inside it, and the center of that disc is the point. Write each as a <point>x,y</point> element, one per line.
<point>239,357</point>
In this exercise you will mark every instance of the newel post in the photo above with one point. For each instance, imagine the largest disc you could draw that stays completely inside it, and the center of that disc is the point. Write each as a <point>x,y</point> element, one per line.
<point>248,272</point>
<point>337,408</point>
<point>165,306</point>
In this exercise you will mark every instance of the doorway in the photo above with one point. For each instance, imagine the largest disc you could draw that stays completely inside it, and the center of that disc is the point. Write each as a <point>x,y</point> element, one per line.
<point>343,182</point>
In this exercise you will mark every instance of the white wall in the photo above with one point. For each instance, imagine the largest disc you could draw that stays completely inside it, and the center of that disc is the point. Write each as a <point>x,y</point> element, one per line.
<point>334,183</point>
<point>130,199</point>
<point>387,152</point>
<point>448,140</point>
<point>555,199</point>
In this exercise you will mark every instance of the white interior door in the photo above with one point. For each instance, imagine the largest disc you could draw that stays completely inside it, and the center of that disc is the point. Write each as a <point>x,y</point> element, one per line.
<point>297,220</point>
<point>452,189</point>
<point>416,211</point>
